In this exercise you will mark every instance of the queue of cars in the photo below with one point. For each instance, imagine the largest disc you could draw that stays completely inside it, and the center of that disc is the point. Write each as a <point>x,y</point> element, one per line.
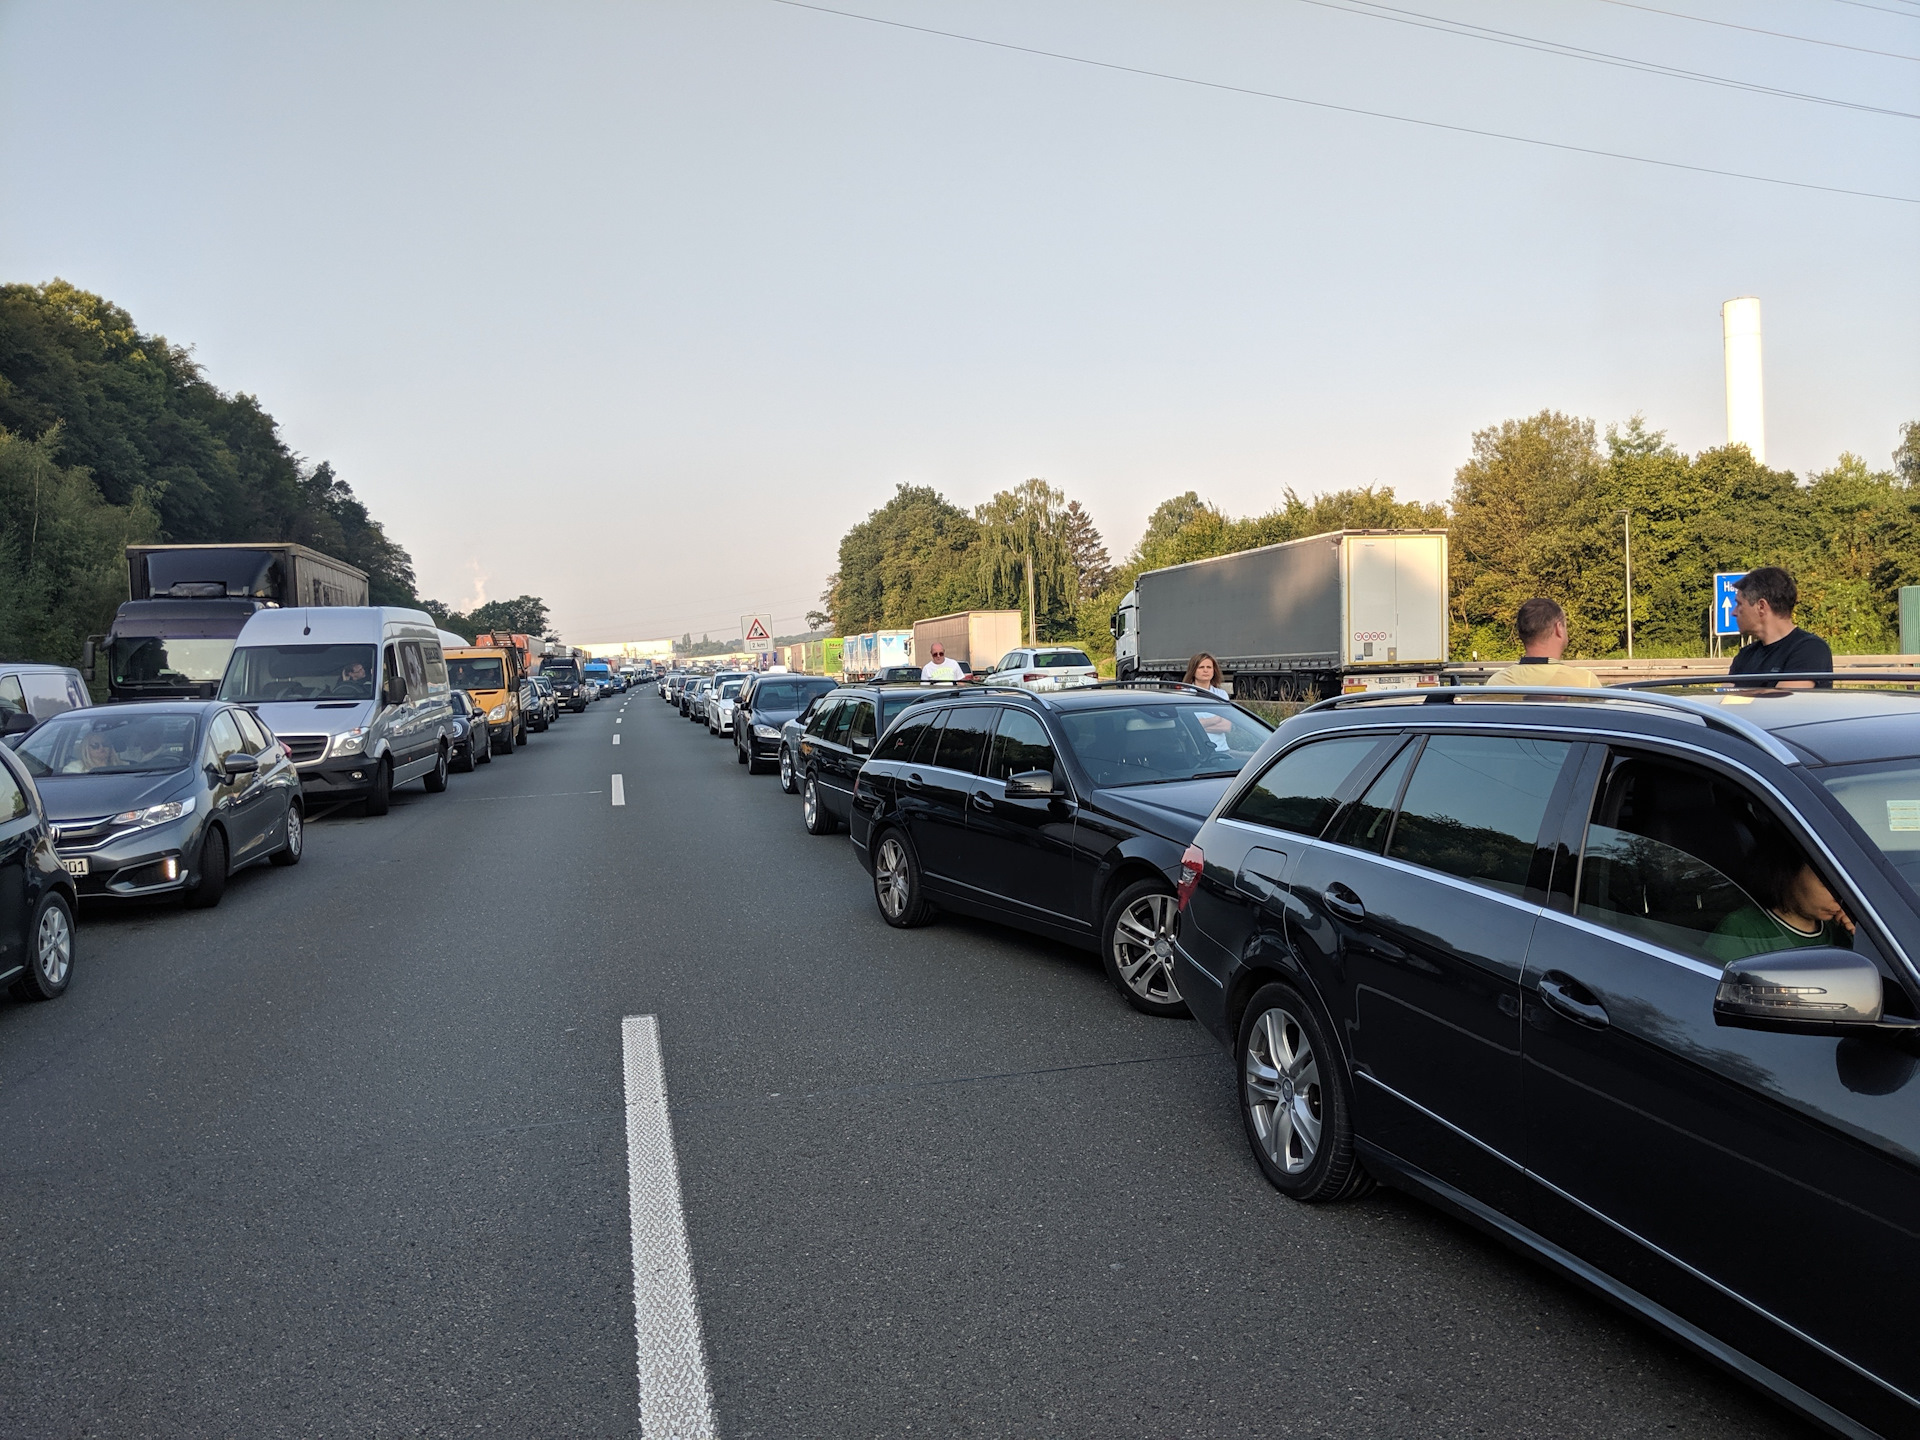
<point>1627,978</point>
<point>168,798</point>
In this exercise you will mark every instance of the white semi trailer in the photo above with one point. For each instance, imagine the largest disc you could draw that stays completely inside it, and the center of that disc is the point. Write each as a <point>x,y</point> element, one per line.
<point>1351,610</point>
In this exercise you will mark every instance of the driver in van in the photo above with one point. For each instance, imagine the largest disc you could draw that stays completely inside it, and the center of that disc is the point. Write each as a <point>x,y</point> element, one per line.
<point>353,678</point>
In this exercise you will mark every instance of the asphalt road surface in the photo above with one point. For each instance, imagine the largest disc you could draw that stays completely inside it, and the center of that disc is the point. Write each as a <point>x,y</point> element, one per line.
<point>348,1156</point>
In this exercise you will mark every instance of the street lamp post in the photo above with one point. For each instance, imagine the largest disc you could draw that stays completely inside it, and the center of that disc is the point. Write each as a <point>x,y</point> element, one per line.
<point>1626,517</point>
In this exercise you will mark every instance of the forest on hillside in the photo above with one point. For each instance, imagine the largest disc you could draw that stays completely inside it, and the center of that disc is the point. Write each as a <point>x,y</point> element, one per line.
<point>1538,507</point>
<point>111,436</point>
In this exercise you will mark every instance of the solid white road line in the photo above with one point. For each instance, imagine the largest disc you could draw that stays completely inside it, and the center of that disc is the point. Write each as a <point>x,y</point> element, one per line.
<point>619,791</point>
<point>676,1402</point>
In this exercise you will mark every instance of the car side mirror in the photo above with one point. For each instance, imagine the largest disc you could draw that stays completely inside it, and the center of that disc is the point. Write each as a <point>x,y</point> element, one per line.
<point>1030,785</point>
<point>395,691</point>
<point>1800,992</point>
<point>16,722</point>
<point>862,745</point>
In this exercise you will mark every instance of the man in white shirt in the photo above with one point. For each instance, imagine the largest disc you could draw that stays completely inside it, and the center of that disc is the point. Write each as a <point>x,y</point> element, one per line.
<point>941,670</point>
<point>1543,635</point>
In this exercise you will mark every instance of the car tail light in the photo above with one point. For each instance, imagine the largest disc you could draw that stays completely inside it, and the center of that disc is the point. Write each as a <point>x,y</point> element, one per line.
<point>1191,864</point>
<point>1033,675</point>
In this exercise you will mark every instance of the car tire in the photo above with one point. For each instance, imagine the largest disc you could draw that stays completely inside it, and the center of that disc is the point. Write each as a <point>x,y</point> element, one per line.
<point>50,943</point>
<point>1136,945</point>
<point>483,753</point>
<point>743,755</point>
<point>897,887</point>
<point>814,814</point>
<point>466,763</point>
<point>788,781</point>
<point>213,871</point>
<point>296,842</point>
<point>436,778</point>
<point>380,798</point>
<point>1296,1099</point>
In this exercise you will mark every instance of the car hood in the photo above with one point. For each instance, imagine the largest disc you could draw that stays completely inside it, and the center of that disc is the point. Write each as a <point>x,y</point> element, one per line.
<point>313,717</point>
<point>85,797</point>
<point>1173,809</point>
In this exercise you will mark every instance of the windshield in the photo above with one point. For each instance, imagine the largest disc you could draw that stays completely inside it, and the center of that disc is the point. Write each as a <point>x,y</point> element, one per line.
<point>785,694</point>
<point>477,674</point>
<point>892,705</point>
<point>1059,659</point>
<point>263,673</point>
<point>113,743</point>
<point>559,673</point>
<point>168,660</point>
<point>1148,744</point>
<point>731,689</point>
<point>1884,798</point>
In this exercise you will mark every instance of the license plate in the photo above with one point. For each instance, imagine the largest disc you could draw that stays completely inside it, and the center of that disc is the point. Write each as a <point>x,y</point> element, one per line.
<point>75,867</point>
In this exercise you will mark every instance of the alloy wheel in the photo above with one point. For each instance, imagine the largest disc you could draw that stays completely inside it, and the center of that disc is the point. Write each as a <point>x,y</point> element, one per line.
<point>296,830</point>
<point>1283,1091</point>
<point>891,881</point>
<point>1143,948</point>
<point>809,805</point>
<point>54,946</point>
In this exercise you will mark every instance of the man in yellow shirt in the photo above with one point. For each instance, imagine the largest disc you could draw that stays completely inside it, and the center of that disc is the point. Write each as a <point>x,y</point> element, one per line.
<point>1543,636</point>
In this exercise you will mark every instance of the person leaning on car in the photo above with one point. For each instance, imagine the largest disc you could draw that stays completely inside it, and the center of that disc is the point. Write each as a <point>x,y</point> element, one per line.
<point>1543,640</point>
<point>1763,602</point>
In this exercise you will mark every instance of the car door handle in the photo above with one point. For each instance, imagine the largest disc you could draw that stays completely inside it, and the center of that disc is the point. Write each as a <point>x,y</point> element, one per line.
<point>914,782</point>
<point>1554,989</point>
<point>1344,903</point>
<point>982,799</point>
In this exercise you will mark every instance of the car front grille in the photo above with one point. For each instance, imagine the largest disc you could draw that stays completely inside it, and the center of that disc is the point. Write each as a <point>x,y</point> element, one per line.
<point>304,748</point>
<point>72,836</point>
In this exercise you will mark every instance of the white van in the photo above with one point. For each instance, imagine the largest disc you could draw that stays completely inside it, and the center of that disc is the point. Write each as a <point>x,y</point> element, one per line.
<point>358,694</point>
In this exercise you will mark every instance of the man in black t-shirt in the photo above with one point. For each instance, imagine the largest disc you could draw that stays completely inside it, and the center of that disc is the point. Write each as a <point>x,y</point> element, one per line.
<point>1763,602</point>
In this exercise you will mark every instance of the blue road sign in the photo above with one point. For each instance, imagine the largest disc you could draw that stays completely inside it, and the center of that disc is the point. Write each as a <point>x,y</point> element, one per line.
<point>1723,621</point>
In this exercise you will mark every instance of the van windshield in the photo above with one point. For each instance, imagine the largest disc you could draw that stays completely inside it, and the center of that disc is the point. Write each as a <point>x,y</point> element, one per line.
<point>261,674</point>
<point>476,674</point>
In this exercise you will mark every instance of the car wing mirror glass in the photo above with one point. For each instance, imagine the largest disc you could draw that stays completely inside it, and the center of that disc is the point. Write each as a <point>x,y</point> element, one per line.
<point>1800,991</point>
<point>395,692</point>
<point>240,764</point>
<point>16,722</point>
<point>1030,784</point>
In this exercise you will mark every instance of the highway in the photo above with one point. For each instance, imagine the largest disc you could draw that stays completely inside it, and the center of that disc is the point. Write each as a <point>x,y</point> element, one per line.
<point>349,1156</point>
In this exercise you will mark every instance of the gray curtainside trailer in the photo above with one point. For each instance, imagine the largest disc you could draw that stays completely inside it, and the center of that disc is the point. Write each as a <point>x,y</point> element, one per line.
<point>1350,610</point>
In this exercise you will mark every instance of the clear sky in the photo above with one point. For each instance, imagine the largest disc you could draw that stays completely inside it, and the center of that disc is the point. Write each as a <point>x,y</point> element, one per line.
<point>638,306</point>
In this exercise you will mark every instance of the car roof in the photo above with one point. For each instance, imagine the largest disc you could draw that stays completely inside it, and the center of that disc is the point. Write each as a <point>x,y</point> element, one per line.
<point>34,667</point>
<point>147,707</point>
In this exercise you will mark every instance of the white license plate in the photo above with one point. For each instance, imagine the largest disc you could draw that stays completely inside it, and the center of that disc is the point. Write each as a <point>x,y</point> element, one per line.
<point>75,867</point>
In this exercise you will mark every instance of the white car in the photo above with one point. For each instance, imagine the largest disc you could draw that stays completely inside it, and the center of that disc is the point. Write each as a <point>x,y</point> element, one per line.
<point>720,707</point>
<point>1045,667</point>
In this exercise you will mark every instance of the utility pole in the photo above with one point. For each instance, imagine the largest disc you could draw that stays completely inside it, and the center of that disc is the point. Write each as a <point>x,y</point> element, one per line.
<point>1033,616</point>
<point>1627,517</point>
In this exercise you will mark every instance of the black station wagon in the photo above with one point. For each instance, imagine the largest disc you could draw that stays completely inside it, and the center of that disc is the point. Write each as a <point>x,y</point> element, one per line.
<point>1625,978</point>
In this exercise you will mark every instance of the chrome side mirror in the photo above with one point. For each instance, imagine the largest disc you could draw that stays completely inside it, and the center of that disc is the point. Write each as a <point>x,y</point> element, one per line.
<point>1800,992</point>
<point>1030,785</point>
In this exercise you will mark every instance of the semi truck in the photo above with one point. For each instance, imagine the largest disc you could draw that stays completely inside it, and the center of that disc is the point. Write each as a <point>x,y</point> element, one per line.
<point>1342,612</point>
<point>978,638</point>
<point>864,656</point>
<point>186,605</point>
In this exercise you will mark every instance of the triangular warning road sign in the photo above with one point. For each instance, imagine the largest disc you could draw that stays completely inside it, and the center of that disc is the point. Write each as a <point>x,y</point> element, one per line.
<point>757,631</point>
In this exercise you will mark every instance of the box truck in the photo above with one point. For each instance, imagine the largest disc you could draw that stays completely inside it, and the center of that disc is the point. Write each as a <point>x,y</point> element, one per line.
<point>186,605</point>
<point>977,637</point>
<point>1352,610</point>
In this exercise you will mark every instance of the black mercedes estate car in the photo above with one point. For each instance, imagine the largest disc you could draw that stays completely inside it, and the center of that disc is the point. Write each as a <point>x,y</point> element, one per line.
<point>1065,814</point>
<point>1627,979</point>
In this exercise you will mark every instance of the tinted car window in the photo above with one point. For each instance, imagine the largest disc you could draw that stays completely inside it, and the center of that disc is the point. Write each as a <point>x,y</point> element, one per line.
<point>11,696</point>
<point>901,739</point>
<point>823,717</point>
<point>963,743</point>
<point>1474,807</point>
<point>1297,791</point>
<point>223,736</point>
<point>928,744</point>
<point>252,737</point>
<point>860,733</point>
<point>1681,856</point>
<point>892,705</point>
<point>836,733</point>
<point>13,799</point>
<point>1370,820</point>
<point>1020,744</point>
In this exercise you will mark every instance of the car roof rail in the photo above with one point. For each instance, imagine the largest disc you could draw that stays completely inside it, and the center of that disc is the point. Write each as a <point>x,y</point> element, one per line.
<point>1759,680</point>
<point>1708,715</point>
<point>1148,682</point>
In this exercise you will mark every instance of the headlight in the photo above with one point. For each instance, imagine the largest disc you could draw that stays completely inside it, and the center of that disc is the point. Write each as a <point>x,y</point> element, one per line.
<point>350,742</point>
<point>155,814</point>
<point>499,712</point>
<point>766,732</point>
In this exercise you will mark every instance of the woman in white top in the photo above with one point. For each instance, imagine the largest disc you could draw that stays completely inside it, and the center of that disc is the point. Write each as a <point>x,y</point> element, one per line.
<point>1204,671</point>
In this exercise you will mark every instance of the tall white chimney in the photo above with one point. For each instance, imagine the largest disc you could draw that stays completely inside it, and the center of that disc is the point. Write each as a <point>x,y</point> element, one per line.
<point>1746,400</point>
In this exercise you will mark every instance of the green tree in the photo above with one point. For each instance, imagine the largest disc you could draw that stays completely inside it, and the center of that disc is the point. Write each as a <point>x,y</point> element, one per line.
<point>1029,524</point>
<point>909,559</point>
<point>524,615</point>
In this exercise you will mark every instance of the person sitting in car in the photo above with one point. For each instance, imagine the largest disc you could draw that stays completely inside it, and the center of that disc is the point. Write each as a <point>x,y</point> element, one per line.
<point>1793,909</point>
<point>96,753</point>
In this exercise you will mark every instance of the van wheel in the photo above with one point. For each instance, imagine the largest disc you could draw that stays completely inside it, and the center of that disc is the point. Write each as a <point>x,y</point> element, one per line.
<point>787,781</point>
<point>1136,944</point>
<point>50,966</point>
<point>436,778</point>
<point>381,796</point>
<point>520,733</point>
<point>213,871</point>
<point>506,743</point>
<point>1296,1099</point>
<point>289,853</point>
<point>818,819</point>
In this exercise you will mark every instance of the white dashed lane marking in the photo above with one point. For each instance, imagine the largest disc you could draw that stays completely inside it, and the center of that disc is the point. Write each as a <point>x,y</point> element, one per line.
<point>619,791</point>
<point>676,1401</point>
<point>616,739</point>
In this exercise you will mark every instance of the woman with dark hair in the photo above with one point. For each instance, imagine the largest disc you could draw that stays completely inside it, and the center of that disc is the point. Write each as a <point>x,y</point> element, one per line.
<point>1793,909</point>
<point>1203,670</point>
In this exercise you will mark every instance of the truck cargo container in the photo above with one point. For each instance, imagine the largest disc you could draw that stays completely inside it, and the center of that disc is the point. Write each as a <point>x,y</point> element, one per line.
<point>1350,610</point>
<point>866,655</point>
<point>977,637</point>
<point>186,606</point>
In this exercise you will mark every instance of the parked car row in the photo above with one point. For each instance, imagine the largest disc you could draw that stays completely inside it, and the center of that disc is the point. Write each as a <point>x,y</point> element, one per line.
<point>1625,979</point>
<point>154,799</point>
